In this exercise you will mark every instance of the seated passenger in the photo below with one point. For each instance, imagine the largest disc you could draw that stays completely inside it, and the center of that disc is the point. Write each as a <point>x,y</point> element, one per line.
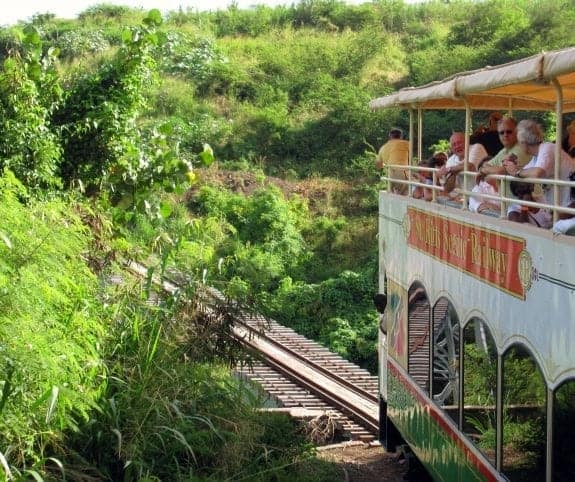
<point>439,159</point>
<point>542,164</point>
<point>484,185</point>
<point>539,217</point>
<point>424,177</point>
<point>451,171</point>
<point>566,222</point>
<point>507,131</point>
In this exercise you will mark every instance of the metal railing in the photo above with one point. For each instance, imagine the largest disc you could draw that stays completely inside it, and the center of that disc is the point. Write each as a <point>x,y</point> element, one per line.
<point>502,196</point>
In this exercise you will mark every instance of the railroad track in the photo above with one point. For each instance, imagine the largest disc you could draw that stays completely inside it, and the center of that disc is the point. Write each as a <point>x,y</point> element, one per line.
<point>298,373</point>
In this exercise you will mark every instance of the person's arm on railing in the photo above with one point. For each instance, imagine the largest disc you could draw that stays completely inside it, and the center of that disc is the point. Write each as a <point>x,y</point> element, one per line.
<point>513,170</point>
<point>486,169</point>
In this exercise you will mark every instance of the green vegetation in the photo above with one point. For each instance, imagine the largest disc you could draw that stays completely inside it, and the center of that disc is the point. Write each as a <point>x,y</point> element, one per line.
<point>231,148</point>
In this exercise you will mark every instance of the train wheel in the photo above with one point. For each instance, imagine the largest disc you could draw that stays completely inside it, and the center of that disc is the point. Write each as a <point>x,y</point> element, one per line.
<point>446,358</point>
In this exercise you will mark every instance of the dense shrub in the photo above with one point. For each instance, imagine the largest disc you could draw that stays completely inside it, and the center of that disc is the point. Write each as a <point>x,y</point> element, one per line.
<point>29,92</point>
<point>77,44</point>
<point>193,58</point>
<point>266,241</point>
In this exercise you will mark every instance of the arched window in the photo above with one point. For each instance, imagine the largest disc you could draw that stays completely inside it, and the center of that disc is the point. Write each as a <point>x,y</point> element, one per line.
<point>524,398</point>
<point>480,387</point>
<point>419,327</point>
<point>563,437</point>
<point>445,368</point>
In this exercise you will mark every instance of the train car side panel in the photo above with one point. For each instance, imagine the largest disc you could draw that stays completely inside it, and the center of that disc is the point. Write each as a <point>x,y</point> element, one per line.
<point>431,434</point>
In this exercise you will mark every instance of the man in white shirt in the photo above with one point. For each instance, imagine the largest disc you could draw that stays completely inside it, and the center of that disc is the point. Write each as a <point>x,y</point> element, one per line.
<point>455,164</point>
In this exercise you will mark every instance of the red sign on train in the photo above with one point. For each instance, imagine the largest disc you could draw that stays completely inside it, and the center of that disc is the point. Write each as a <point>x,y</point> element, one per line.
<point>490,256</point>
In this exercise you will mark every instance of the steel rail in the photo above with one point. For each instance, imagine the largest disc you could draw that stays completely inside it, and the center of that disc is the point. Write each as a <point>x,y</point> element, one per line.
<point>269,336</point>
<point>359,404</point>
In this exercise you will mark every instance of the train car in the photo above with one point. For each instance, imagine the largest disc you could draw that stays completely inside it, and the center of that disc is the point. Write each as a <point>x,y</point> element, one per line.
<point>477,337</point>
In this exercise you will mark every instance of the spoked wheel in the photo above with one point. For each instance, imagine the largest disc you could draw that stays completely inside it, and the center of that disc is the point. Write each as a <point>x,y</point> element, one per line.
<point>446,357</point>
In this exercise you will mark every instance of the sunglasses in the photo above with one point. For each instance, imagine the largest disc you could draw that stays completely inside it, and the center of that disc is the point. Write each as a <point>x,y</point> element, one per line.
<point>507,131</point>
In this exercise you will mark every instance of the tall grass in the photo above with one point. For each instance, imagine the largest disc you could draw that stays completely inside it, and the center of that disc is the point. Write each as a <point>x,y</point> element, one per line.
<point>51,326</point>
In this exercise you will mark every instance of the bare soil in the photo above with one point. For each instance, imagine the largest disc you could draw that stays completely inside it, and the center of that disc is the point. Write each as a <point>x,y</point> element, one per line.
<point>320,193</point>
<point>247,182</point>
<point>361,462</point>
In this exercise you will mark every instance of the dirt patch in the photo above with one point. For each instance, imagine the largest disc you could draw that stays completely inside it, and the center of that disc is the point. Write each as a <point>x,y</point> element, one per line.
<point>361,462</point>
<point>318,191</point>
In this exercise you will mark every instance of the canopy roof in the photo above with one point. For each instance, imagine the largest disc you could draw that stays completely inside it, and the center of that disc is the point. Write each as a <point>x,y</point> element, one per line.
<point>527,84</point>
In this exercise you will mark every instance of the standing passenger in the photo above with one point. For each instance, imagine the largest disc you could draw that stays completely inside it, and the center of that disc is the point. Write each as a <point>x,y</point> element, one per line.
<point>488,137</point>
<point>568,143</point>
<point>395,152</point>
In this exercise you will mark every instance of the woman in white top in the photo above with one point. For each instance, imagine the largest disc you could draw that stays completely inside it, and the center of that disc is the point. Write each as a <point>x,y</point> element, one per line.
<point>542,164</point>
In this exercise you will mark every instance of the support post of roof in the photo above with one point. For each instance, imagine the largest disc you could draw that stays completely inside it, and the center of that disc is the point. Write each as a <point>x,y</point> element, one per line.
<point>466,158</point>
<point>419,134</point>
<point>411,146</point>
<point>559,136</point>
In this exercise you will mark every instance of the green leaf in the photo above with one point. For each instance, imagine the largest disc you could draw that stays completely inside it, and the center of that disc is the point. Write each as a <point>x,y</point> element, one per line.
<point>35,475</point>
<point>154,17</point>
<point>126,35</point>
<point>32,35</point>
<point>35,71</point>
<point>165,209</point>
<point>6,240</point>
<point>53,51</point>
<point>5,466</point>
<point>207,155</point>
<point>53,403</point>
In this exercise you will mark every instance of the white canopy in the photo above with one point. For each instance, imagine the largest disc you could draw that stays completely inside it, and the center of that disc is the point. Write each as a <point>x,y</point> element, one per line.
<point>535,83</point>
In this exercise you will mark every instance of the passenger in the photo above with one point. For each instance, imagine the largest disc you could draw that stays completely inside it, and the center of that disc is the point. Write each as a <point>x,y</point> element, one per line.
<point>568,143</point>
<point>451,171</point>
<point>507,131</point>
<point>487,136</point>
<point>539,217</point>
<point>424,177</point>
<point>542,165</point>
<point>439,159</point>
<point>566,222</point>
<point>395,152</point>
<point>484,185</point>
